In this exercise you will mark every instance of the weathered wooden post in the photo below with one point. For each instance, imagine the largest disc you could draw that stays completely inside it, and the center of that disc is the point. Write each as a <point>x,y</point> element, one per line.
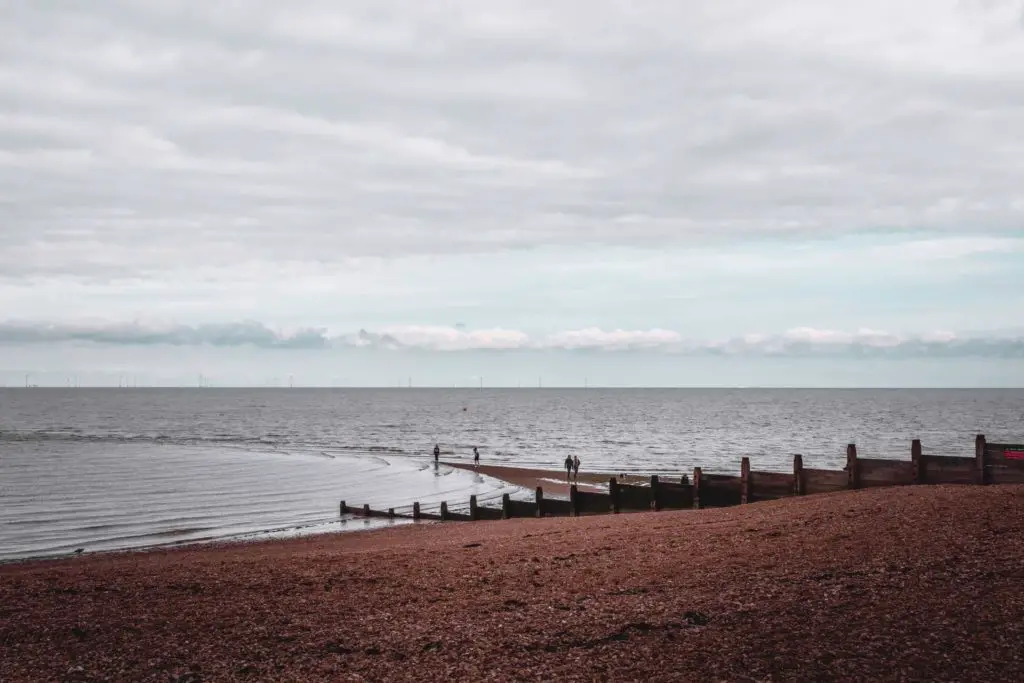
<point>696,488</point>
<point>574,501</point>
<point>391,513</point>
<point>506,506</point>
<point>416,510</point>
<point>366,509</point>
<point>540,501</point>
<point>917,462</point>
<point>745,487</point>
<point>798,475</point>
<point>342,509</point>
<point>655,498</point>
<point>852,469</point>
<point>981,476</point>
<point>472,508</point>
<point>444,510</point>
<point>613,494</point>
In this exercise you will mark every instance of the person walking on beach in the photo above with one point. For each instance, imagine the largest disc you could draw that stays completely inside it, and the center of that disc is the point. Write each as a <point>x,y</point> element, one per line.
<point>437,452</point>
<point>476,457</point>
<point>568,467</point>
<point>576,467</point>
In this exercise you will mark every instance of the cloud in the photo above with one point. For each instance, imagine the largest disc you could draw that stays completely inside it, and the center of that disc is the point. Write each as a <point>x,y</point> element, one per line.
<point>135,334</point>
<point>798,342</point>
<point>867,343</point>
<point>434,338</point>
<point>595,338</point>
<point>240,132</point>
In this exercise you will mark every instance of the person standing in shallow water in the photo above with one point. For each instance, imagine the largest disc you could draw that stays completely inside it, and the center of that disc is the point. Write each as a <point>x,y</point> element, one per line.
<point>437,452</point>
<point>576,467</point>
<point>476,457</point>
<point>568,467</point>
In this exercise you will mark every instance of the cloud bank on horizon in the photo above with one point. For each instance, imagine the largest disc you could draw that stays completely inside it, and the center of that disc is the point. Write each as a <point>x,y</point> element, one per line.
<point>513,176</point>
<point>797,342</point>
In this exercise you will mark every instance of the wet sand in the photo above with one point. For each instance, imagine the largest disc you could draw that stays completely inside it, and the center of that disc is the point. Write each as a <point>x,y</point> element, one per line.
<point>911,583</point>
<point>552,481</point>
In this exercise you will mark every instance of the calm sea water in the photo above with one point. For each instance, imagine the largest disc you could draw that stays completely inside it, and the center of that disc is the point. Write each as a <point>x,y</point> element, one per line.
<point>104,469</point>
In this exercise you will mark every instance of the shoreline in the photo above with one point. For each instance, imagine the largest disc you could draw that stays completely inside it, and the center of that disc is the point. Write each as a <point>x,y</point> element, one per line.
<point>743,593</point>
<point>526,478</point>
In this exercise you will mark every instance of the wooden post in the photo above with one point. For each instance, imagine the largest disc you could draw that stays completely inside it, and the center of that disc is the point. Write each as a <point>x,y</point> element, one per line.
<point>981,476</point>
<point>574,501</point>
<point>366,509</point>
<point>655,498</point>
<point>342,509</point>
<point>416,510</point>
<point>540,501</point>
<point>852,470</point>
<point>613,494</point>
<point>444,510</point>
<point>745,487</point>
<point>472,508</point>
<point>391,513</point>
<point>506,506</point>
<point>917,461</point>
<point>696,488</point>
<point>798,475</point>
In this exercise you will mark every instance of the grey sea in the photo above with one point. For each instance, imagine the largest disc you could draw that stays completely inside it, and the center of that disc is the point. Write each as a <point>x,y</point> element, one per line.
<point>108,469</point>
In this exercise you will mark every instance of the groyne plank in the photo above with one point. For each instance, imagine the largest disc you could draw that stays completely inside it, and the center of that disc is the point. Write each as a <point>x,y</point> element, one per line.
<point>522,508</point>
<point>557,508</point>
<point>719,490</point>
<point>634,497</point>
<point>881,472</point>
<point>483,512</point>
<point>589,503</point>
<point>824,481</point>
<point>944,469</point>
<point>675,496</point>
<point>770,485</point>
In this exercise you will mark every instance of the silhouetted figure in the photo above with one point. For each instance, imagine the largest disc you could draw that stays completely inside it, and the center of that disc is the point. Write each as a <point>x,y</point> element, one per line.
<point>437,453</point>
<point>576,467</point>
<point>476,457</point>
<point>568,467</point>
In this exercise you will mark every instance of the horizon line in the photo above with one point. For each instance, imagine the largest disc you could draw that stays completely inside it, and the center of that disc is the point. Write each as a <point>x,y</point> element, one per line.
<point>519,388</point>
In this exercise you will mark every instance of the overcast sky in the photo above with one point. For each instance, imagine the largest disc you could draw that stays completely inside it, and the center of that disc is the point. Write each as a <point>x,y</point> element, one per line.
<point>790,192</point>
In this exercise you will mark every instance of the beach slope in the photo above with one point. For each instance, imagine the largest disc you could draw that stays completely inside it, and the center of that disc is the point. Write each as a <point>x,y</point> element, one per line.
<point>910,583</point>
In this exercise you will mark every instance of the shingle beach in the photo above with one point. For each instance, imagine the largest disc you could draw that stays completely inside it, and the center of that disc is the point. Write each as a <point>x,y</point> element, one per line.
<point>911,583</point>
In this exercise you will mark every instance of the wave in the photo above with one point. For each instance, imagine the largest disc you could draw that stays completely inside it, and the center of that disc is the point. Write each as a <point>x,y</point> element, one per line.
<point>61,434</point>
<point>273,442</point>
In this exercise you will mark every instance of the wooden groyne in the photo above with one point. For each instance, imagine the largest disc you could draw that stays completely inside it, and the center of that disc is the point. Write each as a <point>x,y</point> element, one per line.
<point>992,463</point>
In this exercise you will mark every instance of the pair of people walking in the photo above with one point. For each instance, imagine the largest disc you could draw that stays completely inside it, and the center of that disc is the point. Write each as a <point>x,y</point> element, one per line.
<point>572,467</point>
